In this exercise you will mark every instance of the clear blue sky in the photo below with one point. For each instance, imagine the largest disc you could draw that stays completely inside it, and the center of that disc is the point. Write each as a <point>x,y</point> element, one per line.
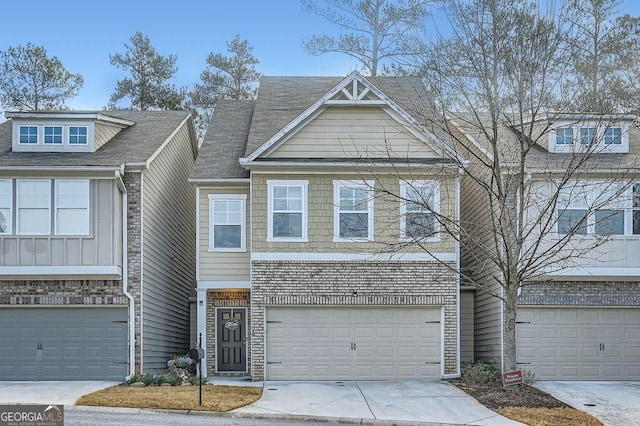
<point>82,34</point>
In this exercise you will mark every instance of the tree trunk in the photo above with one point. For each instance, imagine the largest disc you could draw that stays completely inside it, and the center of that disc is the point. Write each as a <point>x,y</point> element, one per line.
<point>509,328</point>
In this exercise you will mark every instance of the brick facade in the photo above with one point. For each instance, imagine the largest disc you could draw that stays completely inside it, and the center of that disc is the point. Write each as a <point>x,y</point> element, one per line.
<point>225,299</point>
<point>352,283</point>
<point>582,293</point>
<point>133,184</point>
<point>63,292</point>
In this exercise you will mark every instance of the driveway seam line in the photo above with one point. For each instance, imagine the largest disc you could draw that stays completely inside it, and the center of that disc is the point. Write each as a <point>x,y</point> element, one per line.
<point>365,399</point>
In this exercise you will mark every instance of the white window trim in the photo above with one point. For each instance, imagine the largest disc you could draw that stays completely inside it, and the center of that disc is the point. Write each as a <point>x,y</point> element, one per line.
<point>601,147</point>
<point>44,135</point>
<point>29,143</point>
<point>11,202</point>
<point>65,146</point>
<point>304,184</point>
<point>87,207</point>
<point>243,222</point>
<point>17,198</point>
<point>367,185</point>
<point>403,208</point>
<point>67,140</point>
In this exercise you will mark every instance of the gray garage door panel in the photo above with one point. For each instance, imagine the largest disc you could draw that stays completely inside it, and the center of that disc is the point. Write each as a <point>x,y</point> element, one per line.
<point>347,343</point>
<point>580,343</point>
<point>63,343</point>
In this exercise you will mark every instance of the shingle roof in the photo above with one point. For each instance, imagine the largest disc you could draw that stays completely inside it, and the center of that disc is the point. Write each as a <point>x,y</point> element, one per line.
<point>225,141</point>
<point>135,144</point>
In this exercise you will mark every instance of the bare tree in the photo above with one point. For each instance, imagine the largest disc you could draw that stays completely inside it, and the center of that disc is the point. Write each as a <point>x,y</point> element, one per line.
<point>533,182</point>
<point>31,80</point>
<point>374,31</point>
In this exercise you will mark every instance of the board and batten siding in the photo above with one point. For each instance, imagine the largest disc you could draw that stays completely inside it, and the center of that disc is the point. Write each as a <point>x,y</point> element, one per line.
<point>354,132</point>
<point>168,252</point>
<point>321,212</point>
<point>101,247</point>
<point>222,266</point>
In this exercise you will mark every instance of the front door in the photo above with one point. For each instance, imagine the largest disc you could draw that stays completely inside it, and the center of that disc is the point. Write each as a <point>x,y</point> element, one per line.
<point>231,339</point>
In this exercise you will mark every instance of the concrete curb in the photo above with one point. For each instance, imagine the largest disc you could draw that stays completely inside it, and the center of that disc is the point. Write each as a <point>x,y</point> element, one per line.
<point>265,416</point>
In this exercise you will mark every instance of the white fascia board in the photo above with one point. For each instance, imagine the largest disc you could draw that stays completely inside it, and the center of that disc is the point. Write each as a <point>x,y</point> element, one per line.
<point>222,180</point>
<point>75,169</point>
<point>342,257</point>
<point>597,272</point>
<point>69,115</point>
<point>46,272</point>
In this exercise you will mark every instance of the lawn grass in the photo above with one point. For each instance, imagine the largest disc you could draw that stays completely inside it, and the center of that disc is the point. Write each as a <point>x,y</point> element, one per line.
<point>549,416</point>
<point>214,397</point>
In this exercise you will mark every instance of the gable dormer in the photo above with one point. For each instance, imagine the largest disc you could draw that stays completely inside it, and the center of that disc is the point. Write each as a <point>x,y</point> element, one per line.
<point>62,131</point>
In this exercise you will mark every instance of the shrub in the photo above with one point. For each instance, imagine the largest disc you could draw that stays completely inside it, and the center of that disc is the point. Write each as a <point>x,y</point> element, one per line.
<point>147,379</point>
<point>172,380</point>
<point>478,373</point>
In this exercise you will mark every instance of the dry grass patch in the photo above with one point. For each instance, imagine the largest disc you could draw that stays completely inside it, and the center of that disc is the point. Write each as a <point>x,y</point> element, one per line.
<point>214,397</point>
<point>549,416</point>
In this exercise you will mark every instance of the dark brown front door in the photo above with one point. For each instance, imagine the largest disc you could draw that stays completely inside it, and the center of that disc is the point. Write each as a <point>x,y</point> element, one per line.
<point>231,339</point>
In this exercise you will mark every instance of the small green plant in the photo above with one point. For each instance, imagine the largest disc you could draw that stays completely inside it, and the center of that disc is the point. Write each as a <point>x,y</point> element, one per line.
<point>172,380</point>
<point>147,379</point>
<point>478,373</point>
<point>132,380</point>
<point>161,378</point>
<point>194,380</point>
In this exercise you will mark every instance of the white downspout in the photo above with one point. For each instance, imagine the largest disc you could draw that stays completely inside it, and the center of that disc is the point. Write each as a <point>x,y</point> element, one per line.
<point>125,278</point>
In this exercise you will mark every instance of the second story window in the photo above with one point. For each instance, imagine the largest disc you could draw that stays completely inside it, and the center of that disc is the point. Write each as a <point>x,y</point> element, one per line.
<point>419,207</point>
<point>287,210</point>
<point>72,207</point>
<point>227,221</point>
<point>353,211</point>
<point>28,135</point>
<point>636,208</point>
<point>53,135</point>
<point>592,208</point>
<point>33,204</point>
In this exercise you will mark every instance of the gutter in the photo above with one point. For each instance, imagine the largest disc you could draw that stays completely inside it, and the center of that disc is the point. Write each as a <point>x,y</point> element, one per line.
<point>125,277</point>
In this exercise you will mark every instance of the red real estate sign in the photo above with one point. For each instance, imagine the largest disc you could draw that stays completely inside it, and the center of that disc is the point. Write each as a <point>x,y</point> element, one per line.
<point>512,378</point>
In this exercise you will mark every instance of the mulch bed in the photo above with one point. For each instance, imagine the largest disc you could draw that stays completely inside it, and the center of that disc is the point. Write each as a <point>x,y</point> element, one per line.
<point>494,396</point>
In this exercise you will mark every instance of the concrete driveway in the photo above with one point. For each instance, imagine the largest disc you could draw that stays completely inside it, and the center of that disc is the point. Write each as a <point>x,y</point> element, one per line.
<point>411,400</point>
<point>65,393</point>
<point>613,403</point>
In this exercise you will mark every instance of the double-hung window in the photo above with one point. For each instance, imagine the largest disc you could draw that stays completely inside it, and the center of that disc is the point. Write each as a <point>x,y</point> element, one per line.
<point>33,206</point>
<point>636,208</point>
<point>6,203</point>
<point>609,205</point>
<point>227,222</point>
<point>353,211</point>
<point>72,207</point>
<point>572,210</point>
<point>419,208</point>
<point>287,219</point>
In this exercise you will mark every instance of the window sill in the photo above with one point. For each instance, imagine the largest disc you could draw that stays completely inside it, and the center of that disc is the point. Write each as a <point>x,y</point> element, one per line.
<point>287,240</point>
<point>227,250</point>
<point>353,240</point>
<point>421,240</point>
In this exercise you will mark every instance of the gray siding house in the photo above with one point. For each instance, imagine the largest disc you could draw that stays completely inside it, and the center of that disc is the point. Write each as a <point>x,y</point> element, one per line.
<point>295,276</point>
<point>579,317</point>
<point>97,242</point>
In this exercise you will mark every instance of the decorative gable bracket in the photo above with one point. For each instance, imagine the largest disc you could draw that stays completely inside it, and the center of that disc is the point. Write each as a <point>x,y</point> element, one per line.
<point>355,92</point>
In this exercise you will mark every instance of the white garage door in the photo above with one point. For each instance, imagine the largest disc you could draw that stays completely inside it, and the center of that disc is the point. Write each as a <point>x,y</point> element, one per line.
<point>63,343</point>
<point>580,343</point>
<point>353,343</point>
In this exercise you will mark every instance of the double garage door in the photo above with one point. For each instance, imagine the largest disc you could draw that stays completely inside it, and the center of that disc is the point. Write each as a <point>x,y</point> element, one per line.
<point>63,343</point>
<point>353,343</point>
<point>579,343</point>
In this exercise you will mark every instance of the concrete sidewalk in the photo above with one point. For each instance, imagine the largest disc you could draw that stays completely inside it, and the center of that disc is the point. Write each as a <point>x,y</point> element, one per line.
<point>48,392</point>
<point>410,400</point>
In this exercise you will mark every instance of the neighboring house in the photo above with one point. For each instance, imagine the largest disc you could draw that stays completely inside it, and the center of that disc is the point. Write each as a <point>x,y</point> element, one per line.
<point>580,319</point>
<point>97,242</point>
<point>305,268</point>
